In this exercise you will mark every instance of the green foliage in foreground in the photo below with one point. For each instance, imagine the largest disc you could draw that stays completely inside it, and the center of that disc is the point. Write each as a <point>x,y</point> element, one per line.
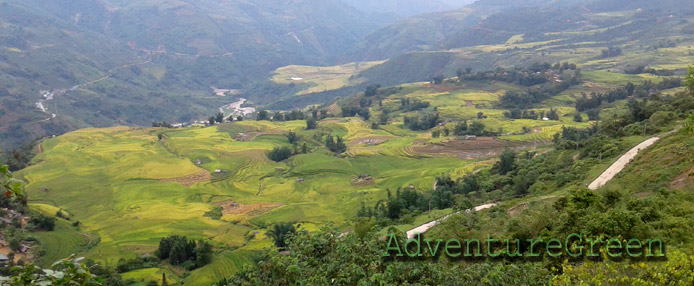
<point>69,271</point>
<point>328,257</point>
<point>689,81</point>
<point>10,186</point>
<point>281,232</point>
<point>677,270</point>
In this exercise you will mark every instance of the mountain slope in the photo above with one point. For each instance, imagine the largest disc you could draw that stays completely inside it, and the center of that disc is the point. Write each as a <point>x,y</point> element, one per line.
<point>406,8</point>
<point>131,62</point>
<point>494,22</point>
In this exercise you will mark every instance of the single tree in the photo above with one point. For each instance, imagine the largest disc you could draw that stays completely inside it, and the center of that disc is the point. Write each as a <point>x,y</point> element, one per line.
<point>280,233</point>
<point>689,81</point>
<point>340,145</point>
<point>371,90</point>
<point>311,124</point>
<point>578,117</point>
<point>506,162</point>
<point>292,137</point>
<point>477,128</point>
<point>459,73</point>
<point>262,115</point>
<point>438,79</point>
<point>278,116</point>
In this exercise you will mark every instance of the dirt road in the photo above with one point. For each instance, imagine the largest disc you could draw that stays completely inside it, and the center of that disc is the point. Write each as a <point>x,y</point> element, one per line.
<point>619,165</point>
<point>423,228</point>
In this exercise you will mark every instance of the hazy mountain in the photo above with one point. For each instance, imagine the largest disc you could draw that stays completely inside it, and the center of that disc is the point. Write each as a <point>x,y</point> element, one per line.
<point>490,22</point>
<point>174,49</point>
<point>406,8</point>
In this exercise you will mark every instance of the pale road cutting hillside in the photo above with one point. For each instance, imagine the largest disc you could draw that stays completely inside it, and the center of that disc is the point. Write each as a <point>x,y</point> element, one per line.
<point>423,228</point>
<point>619,165</point>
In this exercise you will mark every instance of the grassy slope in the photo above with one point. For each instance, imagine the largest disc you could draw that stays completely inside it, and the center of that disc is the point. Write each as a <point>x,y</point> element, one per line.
<point>321,78</point>
<point>108,179</point>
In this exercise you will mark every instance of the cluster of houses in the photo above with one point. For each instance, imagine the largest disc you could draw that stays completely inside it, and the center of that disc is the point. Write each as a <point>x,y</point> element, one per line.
<point>8,218</point>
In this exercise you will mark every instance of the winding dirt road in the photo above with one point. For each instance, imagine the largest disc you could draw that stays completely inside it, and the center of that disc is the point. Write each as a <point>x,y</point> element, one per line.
<point>619,165</point>
<point>423,228</point>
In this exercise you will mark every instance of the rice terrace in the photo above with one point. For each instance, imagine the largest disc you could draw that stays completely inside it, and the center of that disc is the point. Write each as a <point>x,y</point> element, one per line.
<point>199,142</point>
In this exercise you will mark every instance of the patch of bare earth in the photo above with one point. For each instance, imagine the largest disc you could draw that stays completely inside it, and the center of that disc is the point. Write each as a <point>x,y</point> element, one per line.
<point>249,136</point>
<point>363,181</point>
<point>5,249</point>
<point>233,208</point>
<point>374,140</point>
<point>683,180</point>
<point>481,147</point>
<point>199,177</point>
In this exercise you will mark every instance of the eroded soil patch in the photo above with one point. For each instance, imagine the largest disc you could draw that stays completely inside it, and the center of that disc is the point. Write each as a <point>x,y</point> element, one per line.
<point>233,208</point>
<point>202,176</point>
<point>373,140</point>
<point>481,147</point>
<point>683,180</point>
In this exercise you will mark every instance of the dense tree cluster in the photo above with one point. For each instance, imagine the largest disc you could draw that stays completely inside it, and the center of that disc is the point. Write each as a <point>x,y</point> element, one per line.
<point>262,115</point>
<point>644,69</point>
<point>611,52</point>
<point>354,111</point>
<point>475,128</point>
<point>336,146</point>
<point>18,158</point>
<point>517,113</point>
<point>537,73</point>
<point>425,122</point>
<point>311,123</point>
<point>43,222</point>
<point>330,257</point>
<point>279,154</point>
<point>127,265</point>
<point>288,116</point>
<point>190,254</point>
<point>644,90</point>
<point>280,233</point>
<point>412,104</point>
<point>162,124</point>
<point>524,99</point>
<point>371,90</point>
<point>438,79</point>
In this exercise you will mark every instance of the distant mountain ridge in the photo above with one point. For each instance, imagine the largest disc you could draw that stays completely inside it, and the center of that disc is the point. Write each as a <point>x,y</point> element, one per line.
<point>187,47</point>
<point>469,25</point>
<point>406,8</point>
